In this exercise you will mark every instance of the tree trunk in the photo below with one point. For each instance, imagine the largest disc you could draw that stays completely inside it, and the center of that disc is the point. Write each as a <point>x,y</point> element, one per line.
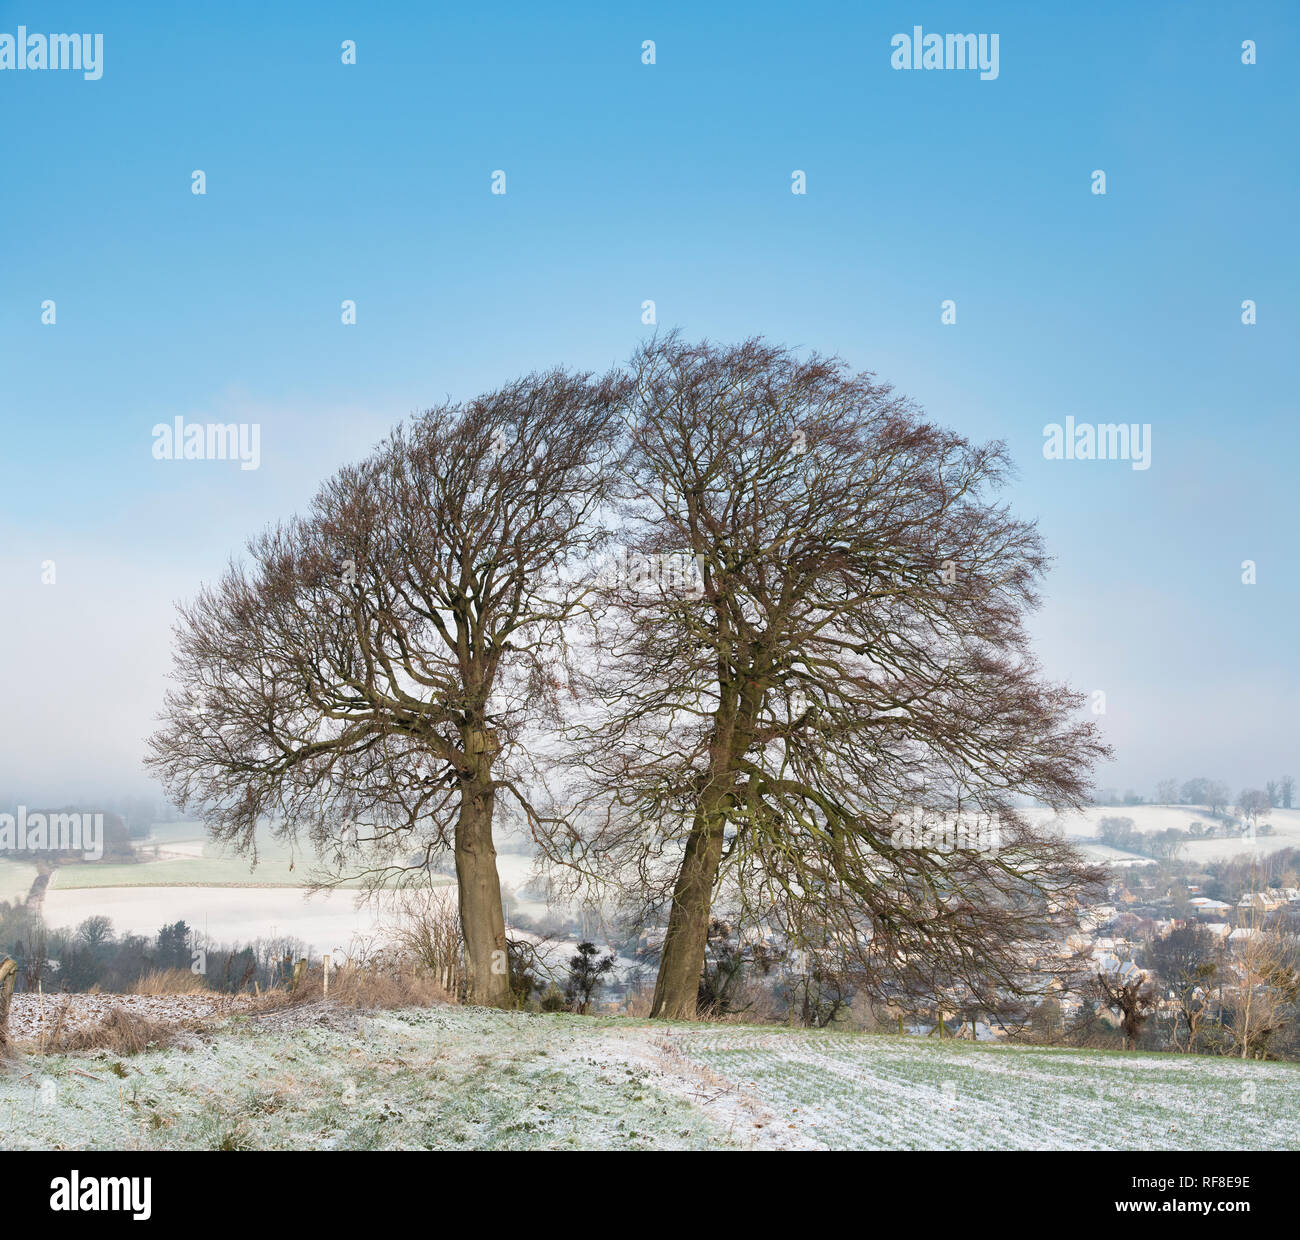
<point>482,922</point>
<point>8,975</point>
<point>677,987</point>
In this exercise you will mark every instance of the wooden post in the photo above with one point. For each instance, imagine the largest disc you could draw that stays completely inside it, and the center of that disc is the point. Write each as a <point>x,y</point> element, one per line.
<point>325,965</point>
<point>299,970</point>
<point>8,975</point>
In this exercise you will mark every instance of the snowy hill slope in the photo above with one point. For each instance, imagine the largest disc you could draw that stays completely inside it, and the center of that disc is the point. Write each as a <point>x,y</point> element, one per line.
<point>443,1078</point>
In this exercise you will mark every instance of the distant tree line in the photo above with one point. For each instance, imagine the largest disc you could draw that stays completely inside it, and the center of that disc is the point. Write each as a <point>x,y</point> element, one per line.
<point>1214,794</point>
<point>93,956</point>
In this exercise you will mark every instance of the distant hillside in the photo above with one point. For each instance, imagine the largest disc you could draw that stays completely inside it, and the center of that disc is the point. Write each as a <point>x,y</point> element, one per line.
<point>1152,819</point>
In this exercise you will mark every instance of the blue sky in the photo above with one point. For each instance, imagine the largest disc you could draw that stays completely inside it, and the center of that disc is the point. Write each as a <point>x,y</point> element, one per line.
<point>670,182</point>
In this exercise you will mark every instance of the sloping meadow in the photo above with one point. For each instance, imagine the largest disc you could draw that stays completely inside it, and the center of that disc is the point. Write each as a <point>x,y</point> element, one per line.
<point>471,1078</point>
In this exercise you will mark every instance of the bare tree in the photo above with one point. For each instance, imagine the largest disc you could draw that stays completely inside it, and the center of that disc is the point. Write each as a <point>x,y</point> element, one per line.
<point>426,926</point>
<point>1131,996</point>
<point>365,679</point>
<point>1264,999</point>
<point>1266,973</point>
<point>1184,959</point>
<point>819,985</point>
<point>815,655</point>
<point>1252,805</point>
<point>1167,792</point>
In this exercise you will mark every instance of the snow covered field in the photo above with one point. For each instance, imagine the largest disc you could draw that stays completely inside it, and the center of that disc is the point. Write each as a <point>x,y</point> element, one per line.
<point>16,878</point>
<point>324,921</point>
<point>183,876</point>
<point>31,1015</point>
<point>1084,827</point>
<point>443,1078</point>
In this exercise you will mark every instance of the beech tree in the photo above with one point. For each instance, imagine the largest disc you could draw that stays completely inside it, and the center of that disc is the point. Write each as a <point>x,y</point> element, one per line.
<point>363,680</point>
<point>809,685</point>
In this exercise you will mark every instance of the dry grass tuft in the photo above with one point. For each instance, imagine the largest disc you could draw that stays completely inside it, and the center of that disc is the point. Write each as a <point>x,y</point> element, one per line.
<point>372,985</point>
<point>170,982</point>
<point>121,1032</point>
